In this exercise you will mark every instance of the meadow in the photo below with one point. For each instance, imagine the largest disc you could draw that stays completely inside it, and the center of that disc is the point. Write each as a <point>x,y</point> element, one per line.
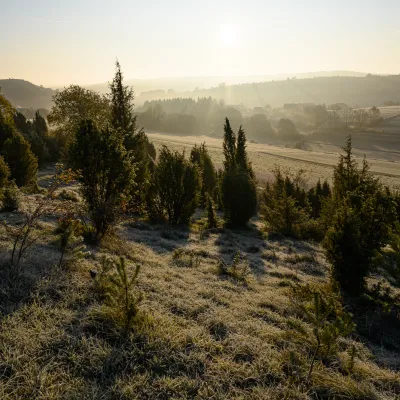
<point>206,335</point>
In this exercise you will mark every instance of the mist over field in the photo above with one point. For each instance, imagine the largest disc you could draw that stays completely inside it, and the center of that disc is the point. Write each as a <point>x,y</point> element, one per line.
<point>200,200</point>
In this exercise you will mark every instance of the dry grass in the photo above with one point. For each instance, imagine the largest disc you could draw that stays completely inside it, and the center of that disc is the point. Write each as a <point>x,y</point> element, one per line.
<point>207,336</point>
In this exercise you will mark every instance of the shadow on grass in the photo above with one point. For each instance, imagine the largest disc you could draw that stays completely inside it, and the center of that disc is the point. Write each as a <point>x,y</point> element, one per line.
<point>161,239</point>
<point>249,241</point>
<point>377,321</point>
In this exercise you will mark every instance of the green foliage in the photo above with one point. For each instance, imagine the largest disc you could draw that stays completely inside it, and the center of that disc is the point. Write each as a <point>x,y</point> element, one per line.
<point>237,178</point>
<point>355,236</point>
<point>36,133</point>
<point>174,192</point>
<point>239,197</point>
<point>151,149</point>
<point>185,259</point>
<point>199,156</point>
<point>135,140</point>
<point>121,101</point>
<point>121,300</point>
<point>212,221</point>
<point>20,159</point>
<point>324,312</point>
<point>10,198</point>
<point>138,150</point>
<point>71,246</point>
<point>387,262</point>
<point>39,125</point>
<point>242,160</point>
<point>316,197</point>
<point>238,270</point>
<point>22,124</point>
<point>229,146</point>
<point>4,172</point>
<point>14,149</point>
<point>68,195</point>
<point>74,105</point>
<point>361,223</point>
<point>285,208</point>
<point>106,173</point>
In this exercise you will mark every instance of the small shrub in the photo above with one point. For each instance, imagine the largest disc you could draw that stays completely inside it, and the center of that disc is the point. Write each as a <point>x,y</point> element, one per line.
<point>117,287</point>
<point>18,155</point>
<point>185,259</point>
<point>239,197</point>
<point>324,312</point>
<point>300,258</point>
<point>68,195</point>
<point>4,172</point>
<point>174,192</point>
<point>285,208</point>
<point>238,188</point>
<point>89,234</point>
<point>10,198</point>
<point>238,270</point>
<point>71,246</point>
<point>199,156</point>
<point>212,221</point>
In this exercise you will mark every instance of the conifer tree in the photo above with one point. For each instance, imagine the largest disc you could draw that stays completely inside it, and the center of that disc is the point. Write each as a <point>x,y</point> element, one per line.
<point>135,140</point>
<point>361,214</point>
<point>106,175</point>
<point>40,125</point>
<point>174,191</point>
<point>199,156</point>
<point>242,160</point>
<point>122,98</point>
<point>211,214</point>
<point>238,189</point>
<point>229,146</point>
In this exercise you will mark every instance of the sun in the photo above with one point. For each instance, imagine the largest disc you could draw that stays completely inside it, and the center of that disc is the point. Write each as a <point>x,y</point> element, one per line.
<point>229,35</point>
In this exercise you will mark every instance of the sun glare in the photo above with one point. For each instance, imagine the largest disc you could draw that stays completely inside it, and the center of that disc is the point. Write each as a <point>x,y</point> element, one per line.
<point>228,35</point>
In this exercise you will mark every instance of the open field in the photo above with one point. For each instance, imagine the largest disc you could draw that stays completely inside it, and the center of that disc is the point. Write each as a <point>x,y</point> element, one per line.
<point>317,163</point>
<point>390,125</point>
<point>389,111</point>
<point>207,336</point>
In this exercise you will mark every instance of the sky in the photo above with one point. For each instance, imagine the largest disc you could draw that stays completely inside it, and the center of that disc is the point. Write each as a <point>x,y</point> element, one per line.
<point>55,43</point>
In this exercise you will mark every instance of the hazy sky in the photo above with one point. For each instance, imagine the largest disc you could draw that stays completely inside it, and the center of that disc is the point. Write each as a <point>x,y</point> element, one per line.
<point>55,42</point>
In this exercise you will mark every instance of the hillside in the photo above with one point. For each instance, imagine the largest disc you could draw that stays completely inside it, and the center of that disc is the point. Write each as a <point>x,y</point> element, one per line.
<point>25,94</point>
<point>354,91</point>
<point>206,335</point>
<point>188,83</point>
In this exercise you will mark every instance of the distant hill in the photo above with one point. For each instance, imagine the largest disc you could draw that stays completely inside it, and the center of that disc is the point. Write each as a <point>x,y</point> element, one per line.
<point>190,83</point>
<point>354,91</point>
<point>25,94</point>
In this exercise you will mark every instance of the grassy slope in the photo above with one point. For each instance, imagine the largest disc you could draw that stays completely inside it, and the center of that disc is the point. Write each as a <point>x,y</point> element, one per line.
<point>208,336</point>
